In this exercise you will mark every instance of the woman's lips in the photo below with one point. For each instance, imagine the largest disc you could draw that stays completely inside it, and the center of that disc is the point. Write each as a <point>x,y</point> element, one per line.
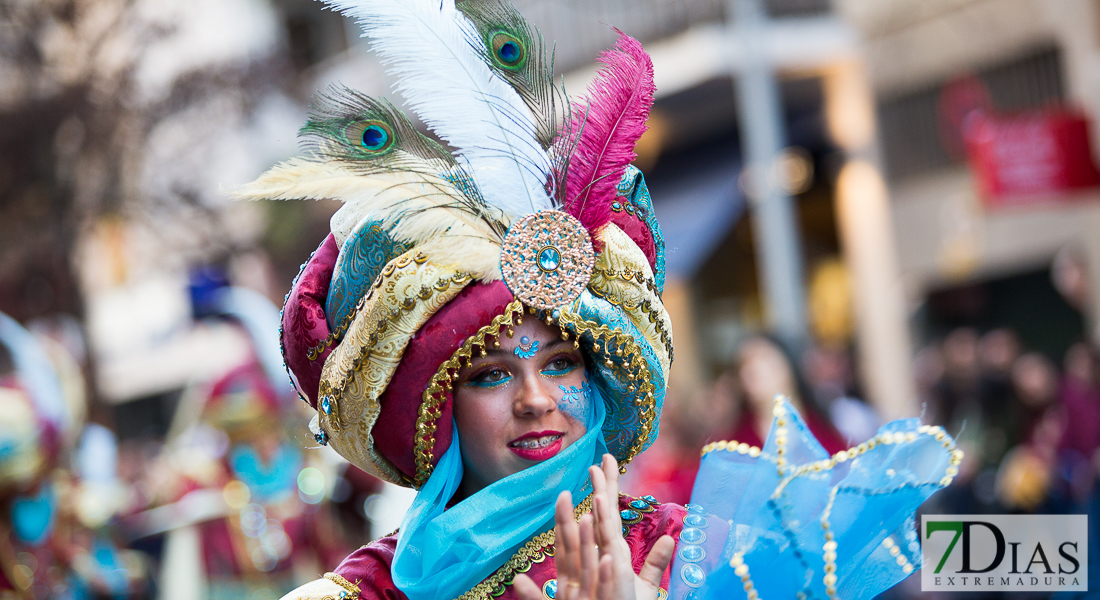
<point>537,446</point>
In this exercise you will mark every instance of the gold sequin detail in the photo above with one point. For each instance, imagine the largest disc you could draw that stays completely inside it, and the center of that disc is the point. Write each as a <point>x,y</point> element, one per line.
<point>344,583</point>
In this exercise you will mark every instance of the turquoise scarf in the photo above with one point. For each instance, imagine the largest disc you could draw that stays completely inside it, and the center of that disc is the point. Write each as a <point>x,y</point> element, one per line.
<point>443,554</point>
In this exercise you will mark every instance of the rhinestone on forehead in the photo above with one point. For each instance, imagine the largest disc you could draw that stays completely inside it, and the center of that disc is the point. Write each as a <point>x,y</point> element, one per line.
<point>547,259</point>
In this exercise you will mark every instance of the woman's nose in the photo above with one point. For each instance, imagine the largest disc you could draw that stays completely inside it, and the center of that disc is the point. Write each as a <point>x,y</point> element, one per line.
<point>534,399</point>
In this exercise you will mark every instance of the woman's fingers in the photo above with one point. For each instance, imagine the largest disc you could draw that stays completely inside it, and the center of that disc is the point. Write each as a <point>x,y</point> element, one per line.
<point>590,559</point>
<point>567,557</point>
<point>611,473</point>
<point>657,561</point>
<point>526,588</point>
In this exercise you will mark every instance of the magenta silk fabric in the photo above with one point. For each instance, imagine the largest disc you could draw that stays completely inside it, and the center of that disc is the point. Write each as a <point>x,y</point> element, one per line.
<point>369,566</point>
<point>304,323</point>
<point>394,433</point>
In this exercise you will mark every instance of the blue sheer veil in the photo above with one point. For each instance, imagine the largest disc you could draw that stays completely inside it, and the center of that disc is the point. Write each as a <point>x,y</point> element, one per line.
<point>443,553</point>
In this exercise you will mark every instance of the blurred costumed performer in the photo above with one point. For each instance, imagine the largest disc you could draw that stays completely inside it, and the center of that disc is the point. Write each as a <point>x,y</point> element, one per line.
<point>486,326</point>
<point>36,420</point>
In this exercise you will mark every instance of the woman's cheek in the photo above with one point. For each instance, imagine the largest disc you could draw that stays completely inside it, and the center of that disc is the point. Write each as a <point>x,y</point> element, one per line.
<point>576,402</point>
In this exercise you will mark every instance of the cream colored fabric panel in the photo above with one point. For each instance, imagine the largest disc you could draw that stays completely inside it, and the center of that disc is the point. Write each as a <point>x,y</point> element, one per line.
<point>410,290</point>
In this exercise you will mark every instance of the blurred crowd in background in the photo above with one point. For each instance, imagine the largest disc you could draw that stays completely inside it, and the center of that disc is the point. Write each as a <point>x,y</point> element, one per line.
<point>912,235</point>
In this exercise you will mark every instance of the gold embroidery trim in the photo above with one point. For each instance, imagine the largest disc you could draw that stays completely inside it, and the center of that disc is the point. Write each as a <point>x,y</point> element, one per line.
<point>426,292</point>
<point>534,551</point>
<point>344,583</point>
<point>399,263</point>
<point>645,306</point>
<point>435,394</point>
<point>635,372</point>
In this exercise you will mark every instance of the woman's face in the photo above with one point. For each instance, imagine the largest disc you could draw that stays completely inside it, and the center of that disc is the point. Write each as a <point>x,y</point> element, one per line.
<point>520,404</point>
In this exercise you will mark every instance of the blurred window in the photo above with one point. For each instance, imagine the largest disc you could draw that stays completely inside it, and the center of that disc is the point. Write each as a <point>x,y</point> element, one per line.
<point>911,122</point>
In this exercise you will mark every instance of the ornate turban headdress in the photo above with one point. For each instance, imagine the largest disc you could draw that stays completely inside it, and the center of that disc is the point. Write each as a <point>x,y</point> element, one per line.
<point>536,213</point>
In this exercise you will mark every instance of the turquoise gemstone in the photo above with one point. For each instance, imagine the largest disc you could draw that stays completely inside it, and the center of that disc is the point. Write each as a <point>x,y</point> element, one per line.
<point>639,504</point>
<point>692,535</point>
<point>695,508</point>
<point>326,405</point>
<point>693,575</point>
<point>690,553</point>
<point>550,588</point>
<point>650,499</point>
<point>549,259</point>
<point>693,520</point>
<point>629,515</point>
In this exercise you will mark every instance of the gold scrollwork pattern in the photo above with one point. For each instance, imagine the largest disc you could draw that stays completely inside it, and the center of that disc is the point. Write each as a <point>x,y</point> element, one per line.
<point>623,277</point>
<point>436,393</point>
<point>398,263</point>
<point>408,292</point>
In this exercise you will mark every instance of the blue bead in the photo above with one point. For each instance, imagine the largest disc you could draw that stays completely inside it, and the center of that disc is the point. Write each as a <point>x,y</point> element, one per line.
<point>693,535</point>
<point>693,575</point>
<point>629,515</point>
<point>691,553</point>
<point>550,588</point>
<point>525,340</point>
<point>549,259</point>
<point>693,520</point>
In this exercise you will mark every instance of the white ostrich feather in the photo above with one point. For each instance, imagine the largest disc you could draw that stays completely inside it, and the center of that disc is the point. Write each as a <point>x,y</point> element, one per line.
<point>431,48</point>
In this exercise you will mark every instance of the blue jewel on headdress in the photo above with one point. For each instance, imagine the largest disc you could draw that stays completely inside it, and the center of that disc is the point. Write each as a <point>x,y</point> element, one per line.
<point>526,348</point>
<point>650,499</point>
<point>639,504</point>
<point>549,258</point>
<point>629,515</point>
<point>321,437</point>
<point>326,405</point>
<point>550,589</point>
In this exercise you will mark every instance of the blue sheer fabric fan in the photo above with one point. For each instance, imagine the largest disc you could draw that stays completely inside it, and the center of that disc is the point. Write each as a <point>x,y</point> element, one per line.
<point>790,521</point>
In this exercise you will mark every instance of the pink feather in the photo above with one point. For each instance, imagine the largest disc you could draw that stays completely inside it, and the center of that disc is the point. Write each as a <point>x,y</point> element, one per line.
<point>619,100</point>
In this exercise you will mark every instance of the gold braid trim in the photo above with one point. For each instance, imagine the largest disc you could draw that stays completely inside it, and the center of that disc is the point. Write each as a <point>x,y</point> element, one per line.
<point>534,551</point>
<point>435,394</point>
<point>645,306</point>
<point>634,370</point>
<point>344,583</point>
<point>398,263</point>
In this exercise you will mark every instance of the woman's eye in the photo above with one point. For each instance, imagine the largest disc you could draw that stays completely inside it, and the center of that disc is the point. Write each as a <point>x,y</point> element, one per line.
<point>490,377</point>
<point>560,365</point>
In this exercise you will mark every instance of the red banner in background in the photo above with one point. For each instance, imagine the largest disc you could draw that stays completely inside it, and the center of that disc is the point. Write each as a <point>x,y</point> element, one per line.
<point>1021,158</point>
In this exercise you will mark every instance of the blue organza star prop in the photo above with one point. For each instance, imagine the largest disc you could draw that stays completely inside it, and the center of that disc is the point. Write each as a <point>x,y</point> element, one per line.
<point>790,521</point>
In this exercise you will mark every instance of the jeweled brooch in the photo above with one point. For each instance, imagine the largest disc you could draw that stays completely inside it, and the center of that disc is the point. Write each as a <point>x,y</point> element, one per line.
<point>547,259</point>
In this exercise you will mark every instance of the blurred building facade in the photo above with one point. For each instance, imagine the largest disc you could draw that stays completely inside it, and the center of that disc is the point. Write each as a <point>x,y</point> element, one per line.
<point>969,257</point>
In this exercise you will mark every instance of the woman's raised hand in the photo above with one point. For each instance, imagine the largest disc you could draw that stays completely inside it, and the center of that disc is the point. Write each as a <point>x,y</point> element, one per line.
<point>592,557</point>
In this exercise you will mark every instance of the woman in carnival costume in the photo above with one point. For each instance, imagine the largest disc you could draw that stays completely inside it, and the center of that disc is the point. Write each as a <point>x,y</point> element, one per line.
<point>486,327</point>
<point>36,424</point>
